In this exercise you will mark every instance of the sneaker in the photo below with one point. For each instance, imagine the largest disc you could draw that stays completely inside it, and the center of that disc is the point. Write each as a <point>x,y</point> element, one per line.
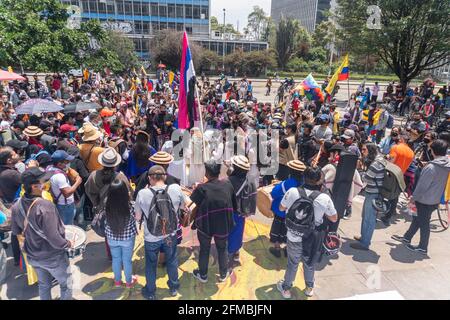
<point>401,239</point>
<point>275,251</point>
<point>347,217</point>
<point>134,280</point>
<point>385,221</point>
<point>309,292</point>
<point>54,282</point>
<point>173,292</point>
<point>225,277</point>
<point>196,274</point>
<point>236,257</point>
<point>416,249</point>
<point>285,293</point>
<point>118,284</point>
<point>146,295</point>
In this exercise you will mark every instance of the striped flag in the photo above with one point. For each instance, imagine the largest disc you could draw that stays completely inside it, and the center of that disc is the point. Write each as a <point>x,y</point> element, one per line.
<point>341,74</point>
<point>186,100</point>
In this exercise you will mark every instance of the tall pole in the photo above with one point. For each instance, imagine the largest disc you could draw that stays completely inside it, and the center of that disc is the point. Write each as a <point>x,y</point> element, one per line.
<point>224,43</point>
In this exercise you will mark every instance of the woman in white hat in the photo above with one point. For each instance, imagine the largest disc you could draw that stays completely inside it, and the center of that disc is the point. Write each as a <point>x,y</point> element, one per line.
<point>245,191</point>
<point>98,182</point>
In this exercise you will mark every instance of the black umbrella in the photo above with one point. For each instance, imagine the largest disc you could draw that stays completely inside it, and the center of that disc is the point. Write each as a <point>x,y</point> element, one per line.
<point>34,106</point>
<point>81,106</point>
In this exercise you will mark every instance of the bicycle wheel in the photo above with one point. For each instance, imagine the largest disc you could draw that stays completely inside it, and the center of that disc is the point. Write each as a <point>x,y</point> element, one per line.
<point>444,215</point>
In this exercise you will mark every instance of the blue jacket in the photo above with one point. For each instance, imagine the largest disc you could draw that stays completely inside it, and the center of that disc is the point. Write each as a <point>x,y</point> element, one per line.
<point>386,145</point>
<point>278,193</point>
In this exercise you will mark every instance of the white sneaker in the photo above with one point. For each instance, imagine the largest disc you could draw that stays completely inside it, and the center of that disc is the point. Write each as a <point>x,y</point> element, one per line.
<point>309,292</point>
<point>285,293</point>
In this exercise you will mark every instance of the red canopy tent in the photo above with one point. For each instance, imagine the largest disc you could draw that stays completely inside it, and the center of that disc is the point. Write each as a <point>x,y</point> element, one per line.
<point>10,76</point>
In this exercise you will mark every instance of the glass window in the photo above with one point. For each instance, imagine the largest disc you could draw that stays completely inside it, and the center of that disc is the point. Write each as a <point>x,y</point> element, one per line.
<point>137,9</point>
<point>120,8</point>
<point>85,6</point>
<point>171,11</point>
<point>93,6</point>
<point>180,11</point>
<point>188,11</point>
<point>196,10</point>
<point>155,26</point>
<point>205,13</point>
<point>163,10</point>
<point>154,9</point>
<point>163,25</point>
<point>180,27</point>
<point>137,27</point>
<point>189,30</point>
<point>171,25</point>
<point>128,8</point>
<point>145,9</point>
<point>145,27</point>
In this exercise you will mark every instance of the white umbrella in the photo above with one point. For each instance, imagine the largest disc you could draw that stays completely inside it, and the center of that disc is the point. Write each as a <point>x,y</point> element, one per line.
<point>34,106</point>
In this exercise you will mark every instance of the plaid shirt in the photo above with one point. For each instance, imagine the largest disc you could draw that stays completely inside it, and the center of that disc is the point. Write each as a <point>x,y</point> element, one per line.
<point>128,232</point>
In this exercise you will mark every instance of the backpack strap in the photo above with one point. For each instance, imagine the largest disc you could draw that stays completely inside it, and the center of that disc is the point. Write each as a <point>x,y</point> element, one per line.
<point>26,222</point>
<point>241,188</point>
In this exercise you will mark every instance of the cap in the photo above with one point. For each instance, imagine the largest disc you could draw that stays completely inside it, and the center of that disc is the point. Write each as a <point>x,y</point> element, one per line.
<point>156,170</point>
<point>61,155</point>
<point>348,134</point>
<point>324,117</point>
<point>34,176</point>
<point>67,128</point>
<point>17,144</point>
<point>337,147</point>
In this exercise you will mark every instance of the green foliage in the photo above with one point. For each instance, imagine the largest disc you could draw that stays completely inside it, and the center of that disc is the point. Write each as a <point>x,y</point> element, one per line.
<point>35,36</point>
<point>286,40</point>
<point>216,26</point>
<point>250,63</point>
<point>116,42</point>
<point>297,65</point>
<point>414,36</point>
<point>259,24</point>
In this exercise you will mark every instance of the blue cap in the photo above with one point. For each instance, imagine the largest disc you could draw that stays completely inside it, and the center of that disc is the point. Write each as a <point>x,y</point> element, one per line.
<point>324,117</point>
<point>61,155</point>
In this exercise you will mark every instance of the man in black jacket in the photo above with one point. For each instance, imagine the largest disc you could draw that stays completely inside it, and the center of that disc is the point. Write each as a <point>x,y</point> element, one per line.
<point>306,145</point>
<point>216,202</point>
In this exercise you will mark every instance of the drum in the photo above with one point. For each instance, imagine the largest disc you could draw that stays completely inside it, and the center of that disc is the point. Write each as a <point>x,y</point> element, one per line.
<point>78,236</point>
<point>264,200</point>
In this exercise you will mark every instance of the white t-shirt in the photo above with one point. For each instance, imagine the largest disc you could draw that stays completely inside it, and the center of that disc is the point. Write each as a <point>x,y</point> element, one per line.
<point>323,205</point>
<point>59,181</point>
<point>144,200</point>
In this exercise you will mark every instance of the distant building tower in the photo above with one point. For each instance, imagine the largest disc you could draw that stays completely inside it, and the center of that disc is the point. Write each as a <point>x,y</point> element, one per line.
<point>308,12</point>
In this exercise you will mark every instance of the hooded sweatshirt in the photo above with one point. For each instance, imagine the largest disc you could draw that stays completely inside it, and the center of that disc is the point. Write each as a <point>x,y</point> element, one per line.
<point>432,182</point>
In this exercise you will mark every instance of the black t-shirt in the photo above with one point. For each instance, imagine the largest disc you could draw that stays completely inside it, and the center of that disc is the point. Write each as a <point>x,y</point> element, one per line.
<point>9,183</point>
<point>216,202</point>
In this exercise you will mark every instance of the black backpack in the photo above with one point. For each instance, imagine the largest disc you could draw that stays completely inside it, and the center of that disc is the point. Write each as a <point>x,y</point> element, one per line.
<point>246,199</point>
<point>300,218</point>
<point>162,218</point>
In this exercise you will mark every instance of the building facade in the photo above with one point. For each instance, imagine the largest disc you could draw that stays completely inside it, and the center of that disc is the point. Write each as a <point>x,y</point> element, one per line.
<point>142,19</point>
<point>309,12</point>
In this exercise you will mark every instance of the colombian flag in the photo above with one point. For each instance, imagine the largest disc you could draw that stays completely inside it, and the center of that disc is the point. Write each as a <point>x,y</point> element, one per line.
<point>342,73</point>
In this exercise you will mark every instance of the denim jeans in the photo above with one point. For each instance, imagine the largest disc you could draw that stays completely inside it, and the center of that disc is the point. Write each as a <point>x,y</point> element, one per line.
<point>122,254</point>
<point>369,219</point>
<point>205,247</point>
<point>55,267</point>
<point>422,222</point>
<point>152,250</point>
<point>67,213</point>
<point>294,251</point>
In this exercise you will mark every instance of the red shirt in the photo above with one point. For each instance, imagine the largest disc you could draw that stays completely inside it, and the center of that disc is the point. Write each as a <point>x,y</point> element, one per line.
<point>56,84</point>
<point>296,104</point>
<point>107,128</point>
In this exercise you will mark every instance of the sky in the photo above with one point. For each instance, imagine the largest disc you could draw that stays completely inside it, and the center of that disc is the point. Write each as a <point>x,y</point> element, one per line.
<point>237,10</point>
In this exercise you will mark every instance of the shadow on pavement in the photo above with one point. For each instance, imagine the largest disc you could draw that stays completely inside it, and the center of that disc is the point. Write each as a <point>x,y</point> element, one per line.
<point>258,248</point>
<point>400,253</point>
<point>357,255</point>
<point>94,260</point>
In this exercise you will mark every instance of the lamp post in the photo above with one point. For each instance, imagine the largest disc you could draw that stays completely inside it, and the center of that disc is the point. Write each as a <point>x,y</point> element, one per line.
<point>224,43</point>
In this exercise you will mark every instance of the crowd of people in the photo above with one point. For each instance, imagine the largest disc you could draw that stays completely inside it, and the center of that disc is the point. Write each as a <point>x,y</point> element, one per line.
<point>118,165</point>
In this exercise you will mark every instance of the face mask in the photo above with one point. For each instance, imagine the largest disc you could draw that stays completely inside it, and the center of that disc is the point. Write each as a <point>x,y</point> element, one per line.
<point>426,140</point>
<point>13,116</point>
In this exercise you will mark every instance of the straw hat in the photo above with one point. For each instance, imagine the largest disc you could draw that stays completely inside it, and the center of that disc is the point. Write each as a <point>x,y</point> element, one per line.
<point>33,131</point>
<point>90,133</point>
<point>109,158</point>
<point>277,116</point>
<point>296,165</point>
<point>241,162</point>
<point>161,158</point>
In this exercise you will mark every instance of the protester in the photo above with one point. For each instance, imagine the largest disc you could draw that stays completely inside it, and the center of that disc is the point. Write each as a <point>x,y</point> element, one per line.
<point>216,202</point>
<point>165,201</point>
<point>43,236</point>
<point>305,247</point>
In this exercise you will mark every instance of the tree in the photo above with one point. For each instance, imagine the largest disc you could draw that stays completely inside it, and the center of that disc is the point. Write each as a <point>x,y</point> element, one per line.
<point>35,36</point>
<point>259,24</point>
<point>216,26</point>
<point>286,40</point>
<point>166,48</point>
<point>412,37</point>
<point>123,47</point>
